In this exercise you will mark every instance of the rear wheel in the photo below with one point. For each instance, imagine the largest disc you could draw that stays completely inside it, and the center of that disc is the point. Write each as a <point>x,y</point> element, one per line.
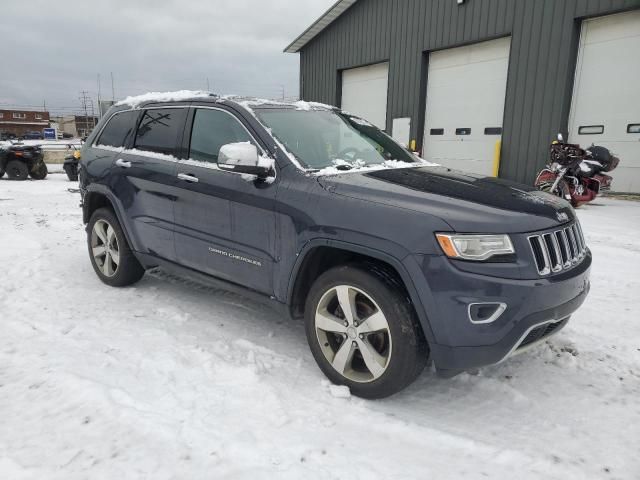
<point>363,331</point>
<point>72,172</point>
<point>17,170</point>
<point>111,257</point>
<point>39,171</point>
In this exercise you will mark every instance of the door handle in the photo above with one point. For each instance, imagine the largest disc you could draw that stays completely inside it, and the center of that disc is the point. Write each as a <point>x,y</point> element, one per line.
<point>188,178</point>
<point>123,163</point>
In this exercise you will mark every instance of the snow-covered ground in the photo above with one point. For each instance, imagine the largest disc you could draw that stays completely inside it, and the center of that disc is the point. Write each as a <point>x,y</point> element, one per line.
<point>172,380</point>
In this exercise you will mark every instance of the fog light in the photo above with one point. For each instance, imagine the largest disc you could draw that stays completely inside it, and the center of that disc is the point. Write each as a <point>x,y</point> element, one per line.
<point>485,312</point>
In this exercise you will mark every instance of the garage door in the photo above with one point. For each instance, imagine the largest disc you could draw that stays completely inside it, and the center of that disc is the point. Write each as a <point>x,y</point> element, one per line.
<point>465,105</point>
<point>606,96</point>
<point>364,92</point>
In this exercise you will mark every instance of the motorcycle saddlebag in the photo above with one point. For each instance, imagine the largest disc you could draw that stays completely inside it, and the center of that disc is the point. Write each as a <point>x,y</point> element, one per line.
<point>603,155</point>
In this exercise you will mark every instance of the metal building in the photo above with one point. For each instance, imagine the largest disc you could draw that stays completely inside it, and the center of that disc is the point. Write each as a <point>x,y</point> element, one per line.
<point>453,77</point>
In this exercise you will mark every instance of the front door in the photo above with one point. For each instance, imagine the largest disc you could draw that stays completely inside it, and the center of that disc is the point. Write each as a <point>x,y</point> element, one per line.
<point>225,222</point>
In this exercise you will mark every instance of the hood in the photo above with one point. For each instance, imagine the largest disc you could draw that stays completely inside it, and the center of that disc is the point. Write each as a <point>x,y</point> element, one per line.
<point>467,202</point>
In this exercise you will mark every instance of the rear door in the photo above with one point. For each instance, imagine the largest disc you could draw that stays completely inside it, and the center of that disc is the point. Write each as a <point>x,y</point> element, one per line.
<point>225,223</point>
<point>145,179</point>
<point>109,143</point>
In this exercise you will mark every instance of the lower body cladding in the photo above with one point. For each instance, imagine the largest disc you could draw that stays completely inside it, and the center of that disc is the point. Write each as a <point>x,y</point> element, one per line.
<point>476,320</point>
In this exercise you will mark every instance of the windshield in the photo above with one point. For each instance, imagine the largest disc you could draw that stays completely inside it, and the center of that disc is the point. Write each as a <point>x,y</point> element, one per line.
<point>326,138</point>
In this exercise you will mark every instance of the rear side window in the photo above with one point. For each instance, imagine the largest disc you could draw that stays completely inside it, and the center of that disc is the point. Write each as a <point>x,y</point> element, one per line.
<point>116,132</point>
<point>211,130</point>
<point>158,130</point>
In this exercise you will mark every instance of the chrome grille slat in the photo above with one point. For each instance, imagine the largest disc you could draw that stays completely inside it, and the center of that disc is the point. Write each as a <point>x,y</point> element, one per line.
<point>583,245</point>
<point>574,230</point>
<point>558,250</point>
<point>557,265</point>
<point>565,242</point>
<point>572,245</point>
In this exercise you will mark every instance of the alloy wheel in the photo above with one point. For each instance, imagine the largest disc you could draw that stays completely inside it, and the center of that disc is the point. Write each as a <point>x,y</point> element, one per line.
<point>104,248</point>
<point>353,333</point>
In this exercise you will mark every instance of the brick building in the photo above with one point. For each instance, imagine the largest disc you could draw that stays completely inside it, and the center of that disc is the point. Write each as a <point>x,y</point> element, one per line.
<point>19,122</point>
<point>75,125</point>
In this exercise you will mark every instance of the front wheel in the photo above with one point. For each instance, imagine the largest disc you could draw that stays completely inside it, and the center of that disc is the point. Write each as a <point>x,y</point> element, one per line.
<point>111,257</point>
<point>39,171</point>
<point>562,190</point>
<point>363,331</point>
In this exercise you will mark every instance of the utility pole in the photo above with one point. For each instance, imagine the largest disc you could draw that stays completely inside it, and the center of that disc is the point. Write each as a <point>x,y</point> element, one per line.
<point>93,116</point>
<point>208,87</point>
<point>113,90</point>
<point>99,104</point>
<point>282,91</point>
<point>84,98</point>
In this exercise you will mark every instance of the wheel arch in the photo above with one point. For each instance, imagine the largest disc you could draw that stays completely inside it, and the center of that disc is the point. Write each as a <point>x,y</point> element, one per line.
<point>98,196</point>
<point>319,255</point>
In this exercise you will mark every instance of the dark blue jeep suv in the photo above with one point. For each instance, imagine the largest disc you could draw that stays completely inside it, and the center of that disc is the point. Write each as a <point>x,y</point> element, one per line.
<point>390,260</point>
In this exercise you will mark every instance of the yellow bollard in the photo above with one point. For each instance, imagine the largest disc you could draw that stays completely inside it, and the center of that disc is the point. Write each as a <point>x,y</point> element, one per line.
<point>496,158</point>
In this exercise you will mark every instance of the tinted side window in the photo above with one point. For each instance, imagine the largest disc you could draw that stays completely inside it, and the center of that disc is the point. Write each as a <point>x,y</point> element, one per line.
<point>159,128</point>
<point>211,130</point>
<point>118,129</point>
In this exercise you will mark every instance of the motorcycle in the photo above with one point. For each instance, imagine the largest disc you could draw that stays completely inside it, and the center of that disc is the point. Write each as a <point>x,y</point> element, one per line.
<point>71,163</point>
<point>575,174</point>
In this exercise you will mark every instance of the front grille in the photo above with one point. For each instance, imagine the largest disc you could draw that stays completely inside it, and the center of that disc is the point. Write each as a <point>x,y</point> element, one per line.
<point>558,250</point>
<point>543,331</point>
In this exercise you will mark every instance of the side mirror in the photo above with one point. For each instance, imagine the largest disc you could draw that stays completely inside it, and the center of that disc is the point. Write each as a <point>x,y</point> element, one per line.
<point>241,158</point>
<point>560,138</point>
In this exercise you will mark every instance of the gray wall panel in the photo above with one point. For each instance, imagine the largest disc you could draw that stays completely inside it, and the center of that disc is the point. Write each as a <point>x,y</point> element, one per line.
<point>544,44</point>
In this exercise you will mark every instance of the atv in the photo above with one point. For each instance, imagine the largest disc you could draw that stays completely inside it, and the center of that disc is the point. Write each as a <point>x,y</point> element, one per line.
<point>22,161</point>
<point>72,162</point>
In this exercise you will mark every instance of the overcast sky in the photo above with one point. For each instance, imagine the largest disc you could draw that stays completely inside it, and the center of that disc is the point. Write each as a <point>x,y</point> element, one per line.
<point>57,49</point>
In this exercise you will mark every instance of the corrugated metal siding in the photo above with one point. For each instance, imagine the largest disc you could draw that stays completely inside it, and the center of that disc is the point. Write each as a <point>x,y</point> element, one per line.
<point>544,41</point>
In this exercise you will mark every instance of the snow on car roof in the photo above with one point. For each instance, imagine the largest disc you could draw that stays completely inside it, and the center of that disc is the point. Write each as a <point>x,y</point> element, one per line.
<point>253,102</point>
<point>137,100</point>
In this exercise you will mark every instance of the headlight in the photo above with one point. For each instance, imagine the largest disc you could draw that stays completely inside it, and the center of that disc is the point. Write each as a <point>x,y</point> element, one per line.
<point>474,247</point>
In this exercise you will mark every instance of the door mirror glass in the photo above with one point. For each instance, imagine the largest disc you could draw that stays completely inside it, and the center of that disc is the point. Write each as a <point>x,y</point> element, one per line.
<point>241,158</point>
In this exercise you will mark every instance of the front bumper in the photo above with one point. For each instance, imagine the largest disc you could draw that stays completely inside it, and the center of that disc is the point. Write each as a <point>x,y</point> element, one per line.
<point>535,309</point>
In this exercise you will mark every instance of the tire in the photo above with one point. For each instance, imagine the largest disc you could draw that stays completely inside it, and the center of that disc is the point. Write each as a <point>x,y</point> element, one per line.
<point>17,170</point>
<point>1,172</point>
<point>39,171</point>
<point>105,231</point>
<point>397,351</point>
<point>72,172</point>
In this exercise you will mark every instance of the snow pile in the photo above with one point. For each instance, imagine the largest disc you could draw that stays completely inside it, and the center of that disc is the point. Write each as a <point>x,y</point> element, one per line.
<point>307,106</point>
<point>251,103</point>
<point>169,379</point>
<point>343,166</point>
<point>137,100</point>
<point>360,121</point>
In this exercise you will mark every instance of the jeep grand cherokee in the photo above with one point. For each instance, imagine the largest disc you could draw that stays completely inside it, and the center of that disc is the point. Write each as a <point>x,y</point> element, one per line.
<point>391,261</point>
